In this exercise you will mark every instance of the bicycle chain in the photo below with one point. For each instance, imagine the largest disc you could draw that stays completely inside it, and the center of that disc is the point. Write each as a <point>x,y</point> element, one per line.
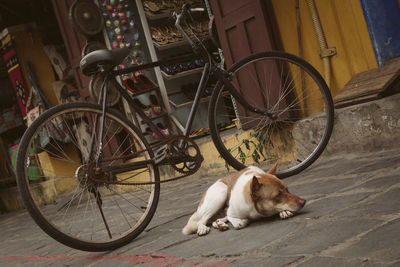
<point>197,163</point>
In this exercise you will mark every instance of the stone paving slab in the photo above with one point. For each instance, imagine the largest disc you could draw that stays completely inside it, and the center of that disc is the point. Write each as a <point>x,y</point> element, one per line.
<point>382,243</point>
<point>266,261</point>
<point>381,203</point>
<point>334,262</point>
<point>351,218</point>
<point>236,242</point>
<point>320,236</point>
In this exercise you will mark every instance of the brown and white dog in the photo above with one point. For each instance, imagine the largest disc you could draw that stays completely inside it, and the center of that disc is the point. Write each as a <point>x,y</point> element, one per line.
<point>240,197</point>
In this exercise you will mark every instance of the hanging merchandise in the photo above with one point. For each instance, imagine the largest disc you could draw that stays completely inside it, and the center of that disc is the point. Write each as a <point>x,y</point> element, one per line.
<point>32,115</point>
<point>122,30</point>
<point>63,94</point>
<point>15,75</point>
<point>31,75</point>
<point>44,103</point>
<point>86,17</point>
<point>113,95</point>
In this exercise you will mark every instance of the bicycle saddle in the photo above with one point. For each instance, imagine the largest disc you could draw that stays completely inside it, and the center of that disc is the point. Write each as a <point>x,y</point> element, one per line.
<point>107,59</point>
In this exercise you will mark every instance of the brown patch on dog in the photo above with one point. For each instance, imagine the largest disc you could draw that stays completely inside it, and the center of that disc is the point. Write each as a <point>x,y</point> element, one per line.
<point>231,180</point>
<point>270,195</point>
<point>273,169</point>
<point>202,198</point>
<point>251,189</point>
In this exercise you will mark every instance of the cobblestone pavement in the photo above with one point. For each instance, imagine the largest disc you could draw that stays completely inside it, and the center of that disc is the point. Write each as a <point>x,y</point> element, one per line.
<point>352,218</point>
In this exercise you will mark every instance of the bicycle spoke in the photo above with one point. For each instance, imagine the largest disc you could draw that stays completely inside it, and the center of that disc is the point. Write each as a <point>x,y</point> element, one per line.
<point>288,91</point>
<point>65,194</point>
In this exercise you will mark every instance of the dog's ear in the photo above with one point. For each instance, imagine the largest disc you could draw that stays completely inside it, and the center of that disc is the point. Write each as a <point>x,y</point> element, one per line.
<point>273,169</point>
<point>255,184</point>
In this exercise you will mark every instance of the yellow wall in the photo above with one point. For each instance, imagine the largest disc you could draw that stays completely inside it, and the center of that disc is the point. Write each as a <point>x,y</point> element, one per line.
<point>344,27</point>
<point>28,44</point>
<point>29,47</point>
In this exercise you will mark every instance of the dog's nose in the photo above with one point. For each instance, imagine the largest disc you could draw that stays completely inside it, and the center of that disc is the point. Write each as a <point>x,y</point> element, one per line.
<point>302,202</point>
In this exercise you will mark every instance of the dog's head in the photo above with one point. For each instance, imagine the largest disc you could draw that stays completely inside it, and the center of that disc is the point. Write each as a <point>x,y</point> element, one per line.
<point>271,196</point>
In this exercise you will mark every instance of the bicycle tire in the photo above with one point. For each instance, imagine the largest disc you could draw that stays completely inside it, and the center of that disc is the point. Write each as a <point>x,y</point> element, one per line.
<point>290,111</point>
<point>115,202</point>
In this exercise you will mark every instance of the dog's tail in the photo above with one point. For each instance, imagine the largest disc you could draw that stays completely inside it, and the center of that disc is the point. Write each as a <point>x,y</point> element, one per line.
<point>191,226</point>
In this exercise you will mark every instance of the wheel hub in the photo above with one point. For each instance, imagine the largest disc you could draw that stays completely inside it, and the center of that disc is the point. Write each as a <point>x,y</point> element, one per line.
<point>273,116</point>
<point>82,176</point>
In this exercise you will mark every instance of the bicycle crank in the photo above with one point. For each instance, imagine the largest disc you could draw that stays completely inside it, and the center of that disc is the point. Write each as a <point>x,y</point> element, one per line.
<point>184,155</point>
<point>178,151</point>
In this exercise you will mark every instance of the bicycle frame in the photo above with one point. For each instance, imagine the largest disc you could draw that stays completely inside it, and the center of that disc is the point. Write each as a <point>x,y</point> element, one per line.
<point>129,99</point>
<point>210,67</point>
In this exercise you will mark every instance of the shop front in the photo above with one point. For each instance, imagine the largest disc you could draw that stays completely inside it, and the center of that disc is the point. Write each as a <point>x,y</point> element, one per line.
<point>42,50</point>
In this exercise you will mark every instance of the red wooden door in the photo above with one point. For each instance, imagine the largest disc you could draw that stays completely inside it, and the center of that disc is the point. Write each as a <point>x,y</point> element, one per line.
<point>74,42</point>
<point>242,26</point>
<point>243,29</point>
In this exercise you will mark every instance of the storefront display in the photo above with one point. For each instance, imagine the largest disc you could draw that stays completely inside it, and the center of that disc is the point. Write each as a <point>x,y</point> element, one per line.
<point>15,74</point>
<point>180,79</point>
<point>27,72</point>
<point>147,29</point>
<point>123,28</point>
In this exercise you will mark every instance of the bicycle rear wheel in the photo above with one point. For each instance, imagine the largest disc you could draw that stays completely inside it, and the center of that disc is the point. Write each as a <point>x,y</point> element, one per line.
<point>54,171</point>
<point>300,115</point>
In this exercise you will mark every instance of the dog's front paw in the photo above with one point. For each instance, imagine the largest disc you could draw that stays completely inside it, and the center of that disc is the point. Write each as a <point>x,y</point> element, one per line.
<point>238,223</point>
<point>220,225</point>
<point>202,229</point>
<point>285,214</point>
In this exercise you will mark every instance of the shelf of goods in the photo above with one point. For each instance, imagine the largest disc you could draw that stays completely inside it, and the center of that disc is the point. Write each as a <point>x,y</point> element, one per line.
<point>126,26</point>
<point>168,42</point>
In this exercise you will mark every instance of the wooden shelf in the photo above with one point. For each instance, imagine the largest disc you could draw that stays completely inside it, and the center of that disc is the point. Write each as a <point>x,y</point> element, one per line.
<point>143,91</point>
<point>182,74</point>
<point>186,104</point>
<point>170,45</point>
<point>155,117</point>
<point>156,16</point>
<point>189,103</point>
<point>176,92</point>
<point>175,44</point>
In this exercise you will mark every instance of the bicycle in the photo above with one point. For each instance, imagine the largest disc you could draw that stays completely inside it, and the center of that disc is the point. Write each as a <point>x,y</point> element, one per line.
<point>103,186</point>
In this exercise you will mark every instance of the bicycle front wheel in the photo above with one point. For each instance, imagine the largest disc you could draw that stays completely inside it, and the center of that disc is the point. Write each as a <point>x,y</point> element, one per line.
<point>57,178</point>
<point>296,119</point>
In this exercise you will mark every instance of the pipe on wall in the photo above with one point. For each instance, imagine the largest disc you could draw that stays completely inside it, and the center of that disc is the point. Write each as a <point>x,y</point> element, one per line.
<point>321,40</point>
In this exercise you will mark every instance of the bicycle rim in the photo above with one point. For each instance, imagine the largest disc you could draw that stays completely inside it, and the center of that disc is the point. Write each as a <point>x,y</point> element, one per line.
<point>52,175</point>
<point>299,122</point>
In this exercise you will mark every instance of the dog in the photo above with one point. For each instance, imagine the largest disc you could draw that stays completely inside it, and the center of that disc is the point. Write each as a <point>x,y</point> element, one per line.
<point>249,194</point>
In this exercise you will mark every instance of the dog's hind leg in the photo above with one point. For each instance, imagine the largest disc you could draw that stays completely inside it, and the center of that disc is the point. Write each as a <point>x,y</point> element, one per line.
<point>213,201</point>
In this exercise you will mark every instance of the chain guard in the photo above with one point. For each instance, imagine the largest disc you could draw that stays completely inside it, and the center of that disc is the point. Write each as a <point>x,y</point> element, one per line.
<point>178,151</point>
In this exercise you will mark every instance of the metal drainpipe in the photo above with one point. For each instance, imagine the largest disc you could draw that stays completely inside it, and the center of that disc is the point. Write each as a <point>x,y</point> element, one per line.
<point>325,52</point>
